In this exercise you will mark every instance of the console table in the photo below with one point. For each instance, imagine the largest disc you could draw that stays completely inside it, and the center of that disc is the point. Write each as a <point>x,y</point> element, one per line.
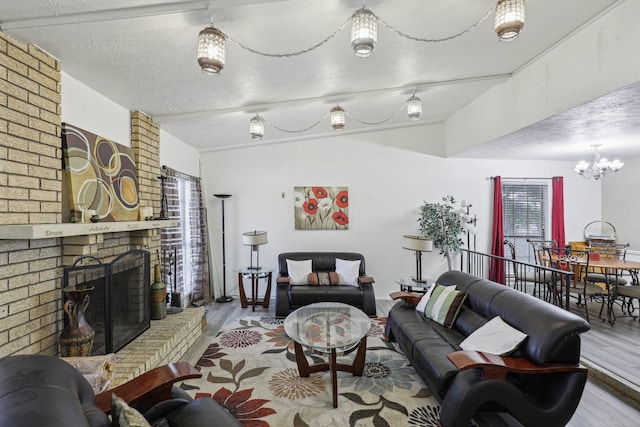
<point>255,276</point>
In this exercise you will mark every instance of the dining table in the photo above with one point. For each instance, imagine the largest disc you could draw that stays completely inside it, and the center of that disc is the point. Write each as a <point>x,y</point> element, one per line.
<point>608,266</point>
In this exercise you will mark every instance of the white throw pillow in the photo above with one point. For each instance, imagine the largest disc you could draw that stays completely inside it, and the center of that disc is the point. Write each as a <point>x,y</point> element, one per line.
<point>425,298</point>
<point>348,271</point>
<point>299,271</point>
<point>494,337</point>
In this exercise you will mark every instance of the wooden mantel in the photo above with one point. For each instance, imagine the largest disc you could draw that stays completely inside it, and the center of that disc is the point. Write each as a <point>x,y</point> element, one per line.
<point>48,231</point>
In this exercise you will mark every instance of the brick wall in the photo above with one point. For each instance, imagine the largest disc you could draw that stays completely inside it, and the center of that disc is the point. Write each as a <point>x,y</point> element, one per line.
<point>31,192</point>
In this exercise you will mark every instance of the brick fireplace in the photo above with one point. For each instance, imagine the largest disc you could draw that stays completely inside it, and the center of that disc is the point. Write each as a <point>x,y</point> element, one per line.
<point>31,192</point>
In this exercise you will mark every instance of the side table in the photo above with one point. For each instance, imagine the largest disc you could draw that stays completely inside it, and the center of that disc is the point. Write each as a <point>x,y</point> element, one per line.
<point>255,276</point>
<point>409,285</point>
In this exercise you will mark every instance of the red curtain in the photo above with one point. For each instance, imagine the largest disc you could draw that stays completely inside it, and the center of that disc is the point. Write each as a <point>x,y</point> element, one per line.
<point>557,211</point>
<point>496,267</point>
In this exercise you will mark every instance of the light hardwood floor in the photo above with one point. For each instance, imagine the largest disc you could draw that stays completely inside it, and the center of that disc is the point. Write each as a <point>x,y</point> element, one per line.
<point>616,347</point>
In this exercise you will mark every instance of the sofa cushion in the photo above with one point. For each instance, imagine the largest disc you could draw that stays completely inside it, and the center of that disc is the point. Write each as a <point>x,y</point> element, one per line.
<point>425,299</point>
<point>299,271</point>
<point>444,304</point>
<point>323,279</point>
<point>495,337</point>
<point>348,271</point>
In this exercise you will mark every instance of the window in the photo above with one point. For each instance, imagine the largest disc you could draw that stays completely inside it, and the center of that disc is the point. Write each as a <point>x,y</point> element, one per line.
<point>525,208</point>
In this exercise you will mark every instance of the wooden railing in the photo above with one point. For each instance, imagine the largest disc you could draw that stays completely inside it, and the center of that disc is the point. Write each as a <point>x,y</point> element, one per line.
<point>545,283</point>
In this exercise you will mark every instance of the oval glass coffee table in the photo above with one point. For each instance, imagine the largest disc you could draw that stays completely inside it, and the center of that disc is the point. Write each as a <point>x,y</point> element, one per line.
<point>329,328</point>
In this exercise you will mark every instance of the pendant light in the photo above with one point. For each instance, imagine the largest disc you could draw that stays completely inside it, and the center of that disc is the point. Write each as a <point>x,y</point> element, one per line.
<point>509,19</point>
<point>338,118</point>
<point>364,32</point>
<point>211,50</point>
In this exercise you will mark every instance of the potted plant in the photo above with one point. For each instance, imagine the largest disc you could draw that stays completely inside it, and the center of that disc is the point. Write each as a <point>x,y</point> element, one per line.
<point>444,225</point>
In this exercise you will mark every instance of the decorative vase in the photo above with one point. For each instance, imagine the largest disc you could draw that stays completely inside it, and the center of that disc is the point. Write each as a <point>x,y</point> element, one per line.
<point>77,336</point>
<point>158,296</point>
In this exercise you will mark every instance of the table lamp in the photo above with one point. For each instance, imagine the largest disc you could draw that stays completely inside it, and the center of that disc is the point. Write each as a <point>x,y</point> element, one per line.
<point>254,239</point>
<point>418,244</point>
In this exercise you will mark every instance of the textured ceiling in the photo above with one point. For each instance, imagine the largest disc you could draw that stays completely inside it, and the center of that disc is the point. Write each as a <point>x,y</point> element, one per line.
<point>142,55</point>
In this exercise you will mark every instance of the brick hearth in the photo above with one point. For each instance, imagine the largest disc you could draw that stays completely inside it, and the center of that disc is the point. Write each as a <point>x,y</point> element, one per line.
<point>167,340</point>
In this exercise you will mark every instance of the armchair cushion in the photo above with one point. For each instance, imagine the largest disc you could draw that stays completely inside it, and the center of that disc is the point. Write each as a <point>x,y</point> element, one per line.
<point>123,415</point>
<point>348,271</point>
<point>298,271</point>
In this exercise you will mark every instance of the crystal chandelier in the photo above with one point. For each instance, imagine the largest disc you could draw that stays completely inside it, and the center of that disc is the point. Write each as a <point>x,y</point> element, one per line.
<point>414,107</point>
<point>598,168</point>
<point>509,19</point>
<point>211,50</point>
<point>364,32</point>
<point>338,118</point>
<point>256,127</point>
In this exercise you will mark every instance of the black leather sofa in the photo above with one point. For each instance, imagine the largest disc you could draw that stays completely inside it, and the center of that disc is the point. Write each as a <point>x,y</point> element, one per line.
<point>40,390</point>
<point>289,297</point>
<point>540,384</point>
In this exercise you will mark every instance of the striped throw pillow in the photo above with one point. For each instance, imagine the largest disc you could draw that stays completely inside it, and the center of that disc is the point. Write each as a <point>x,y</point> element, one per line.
<point>444,304</point>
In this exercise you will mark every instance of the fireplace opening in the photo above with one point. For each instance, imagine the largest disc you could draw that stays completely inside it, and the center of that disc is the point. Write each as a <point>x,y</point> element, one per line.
<point>119,309</point>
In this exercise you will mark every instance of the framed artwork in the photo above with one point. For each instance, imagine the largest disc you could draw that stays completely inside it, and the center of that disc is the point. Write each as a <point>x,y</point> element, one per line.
<point>101,175</point>
<point>321,208</point>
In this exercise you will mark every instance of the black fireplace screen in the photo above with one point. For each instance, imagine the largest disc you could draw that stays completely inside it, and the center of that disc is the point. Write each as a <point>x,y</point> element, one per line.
<point>119,309</point>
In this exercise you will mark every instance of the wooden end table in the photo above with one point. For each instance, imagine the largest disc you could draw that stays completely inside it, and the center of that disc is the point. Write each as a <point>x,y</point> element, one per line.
<point>255,276</point>
<point>329,328</point>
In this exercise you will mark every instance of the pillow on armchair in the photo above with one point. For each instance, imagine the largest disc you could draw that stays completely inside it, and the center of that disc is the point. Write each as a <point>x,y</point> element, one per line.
<point>348,271</point>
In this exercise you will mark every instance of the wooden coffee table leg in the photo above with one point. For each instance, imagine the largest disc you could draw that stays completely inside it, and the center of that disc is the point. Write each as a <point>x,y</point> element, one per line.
<point>301,360</point>
<point>334,376</point>
<point>358,361</point>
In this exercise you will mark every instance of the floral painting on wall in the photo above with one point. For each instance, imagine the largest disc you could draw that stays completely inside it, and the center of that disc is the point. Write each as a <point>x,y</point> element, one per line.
<point>321,208</point>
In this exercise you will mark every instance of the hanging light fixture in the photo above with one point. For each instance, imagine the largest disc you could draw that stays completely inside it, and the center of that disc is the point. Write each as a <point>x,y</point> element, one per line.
<point>598,168</point>
<point>211,50</point>
<point>364,32</point>
<point>414,107</point>
<point>338,118</point>
<point>509,19</point>
<point>256,127</point>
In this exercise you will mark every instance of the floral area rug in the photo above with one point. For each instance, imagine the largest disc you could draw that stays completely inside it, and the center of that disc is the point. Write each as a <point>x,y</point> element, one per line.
<point>250,369</point>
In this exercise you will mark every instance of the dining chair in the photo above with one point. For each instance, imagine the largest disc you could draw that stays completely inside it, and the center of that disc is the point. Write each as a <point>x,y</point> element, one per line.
<point>522,274</point>
<point>607,276</point>
<point>576,261</point>
<point>539,255</point>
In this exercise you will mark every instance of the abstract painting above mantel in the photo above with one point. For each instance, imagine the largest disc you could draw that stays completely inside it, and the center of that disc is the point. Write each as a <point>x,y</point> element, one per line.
<point>102,175</point>
<point>321,208</point>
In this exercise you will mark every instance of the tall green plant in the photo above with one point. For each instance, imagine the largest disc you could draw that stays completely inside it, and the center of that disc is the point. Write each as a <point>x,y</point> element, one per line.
<point>444,225</point>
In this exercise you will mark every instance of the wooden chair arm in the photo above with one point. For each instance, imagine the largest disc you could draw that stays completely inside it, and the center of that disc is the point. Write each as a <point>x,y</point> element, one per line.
<point>281,279</point>
<point>149,388</point>
<point>411,299</point>
<point>365,279</point>
<point>497,367</point>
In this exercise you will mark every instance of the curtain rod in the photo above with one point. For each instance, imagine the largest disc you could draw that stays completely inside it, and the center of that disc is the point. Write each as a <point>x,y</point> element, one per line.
<point>180,174</point>
<point>524,178</point>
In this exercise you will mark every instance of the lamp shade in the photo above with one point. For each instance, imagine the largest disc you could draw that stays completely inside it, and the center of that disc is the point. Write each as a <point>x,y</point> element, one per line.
<point>364,32</point>
<point>414,108</point>
<point>338,118</point>
<point>418,243</point>
<point>254,238</point>
<point>509,19</point>
<point>256,127</point>
<point>211,50</point>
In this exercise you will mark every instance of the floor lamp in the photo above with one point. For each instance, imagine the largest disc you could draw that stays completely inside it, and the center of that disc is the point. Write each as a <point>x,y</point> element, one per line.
<point>223,297</point>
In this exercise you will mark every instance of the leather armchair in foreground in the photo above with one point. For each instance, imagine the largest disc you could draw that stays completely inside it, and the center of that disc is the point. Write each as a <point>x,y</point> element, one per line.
<point>45,391</point>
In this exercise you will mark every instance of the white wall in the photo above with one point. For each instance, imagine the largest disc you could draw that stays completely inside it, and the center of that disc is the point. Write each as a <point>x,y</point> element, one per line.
<point>178,155</point>
<point>92,111</point>
<point>387,184</point>
<point>620,203</point>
